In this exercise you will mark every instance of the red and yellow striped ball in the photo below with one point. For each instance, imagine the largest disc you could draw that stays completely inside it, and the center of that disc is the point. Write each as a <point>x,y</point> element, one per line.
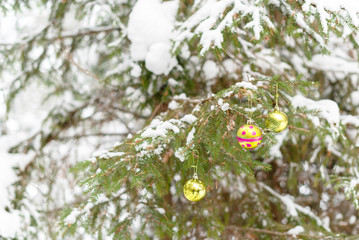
<point>249,136</point>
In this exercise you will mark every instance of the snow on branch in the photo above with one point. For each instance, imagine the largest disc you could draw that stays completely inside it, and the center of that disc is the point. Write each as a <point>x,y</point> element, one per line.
<point>350,186</point>
<point>350,189</point>
<point>350,119</point>
<point>209,22</point>
<point>211,17</point>
<point>293,208</point>
<point>345,9</point>
<point>329,110</point>
<point>300,20</point>
<point>344,13</point>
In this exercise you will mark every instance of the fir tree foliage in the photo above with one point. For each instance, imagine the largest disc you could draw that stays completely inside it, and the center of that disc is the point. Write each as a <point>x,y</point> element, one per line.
<point>224,55</point>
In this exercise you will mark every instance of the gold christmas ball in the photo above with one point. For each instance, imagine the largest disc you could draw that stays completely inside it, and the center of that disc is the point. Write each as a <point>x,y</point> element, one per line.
<point>277,121</point>
<point>194,190</point>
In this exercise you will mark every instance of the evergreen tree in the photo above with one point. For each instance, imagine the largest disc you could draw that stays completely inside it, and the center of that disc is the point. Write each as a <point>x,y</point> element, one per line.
<point>159,87</point>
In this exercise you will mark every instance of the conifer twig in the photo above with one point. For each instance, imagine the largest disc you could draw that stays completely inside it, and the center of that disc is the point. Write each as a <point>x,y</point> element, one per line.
<point>92,135</point>
<point>61,36</point>
<point>271,232</point>
<point>83,70</point>
<point>297,128</point>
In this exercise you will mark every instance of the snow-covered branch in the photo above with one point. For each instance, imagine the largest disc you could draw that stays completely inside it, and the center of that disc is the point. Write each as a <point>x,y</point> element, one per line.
<point>293,208</point>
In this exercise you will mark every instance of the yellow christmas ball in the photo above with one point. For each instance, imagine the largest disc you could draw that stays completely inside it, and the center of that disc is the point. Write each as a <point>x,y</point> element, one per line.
<point>277,121</point>
<point>194,190</point>
<point>249,136</point>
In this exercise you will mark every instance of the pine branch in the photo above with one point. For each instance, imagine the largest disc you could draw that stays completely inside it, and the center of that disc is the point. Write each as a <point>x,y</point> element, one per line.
<point>86,32</point>
<point>83,70</point>
<point>293,207</point>
<point>92,135</point>
<point>79,33</point>
<point>299,129</point>
<point>271,232</point>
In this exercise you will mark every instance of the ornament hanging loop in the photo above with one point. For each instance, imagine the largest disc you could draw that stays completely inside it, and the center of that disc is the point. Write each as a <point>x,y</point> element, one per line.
<point>195,174</point>
<point>250,106</point>
<point>250,121</point>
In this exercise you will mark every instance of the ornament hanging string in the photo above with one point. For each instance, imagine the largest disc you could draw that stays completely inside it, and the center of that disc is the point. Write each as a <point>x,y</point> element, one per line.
<point>250,106</point>
<point>276,96</point>
<point>194,164</point>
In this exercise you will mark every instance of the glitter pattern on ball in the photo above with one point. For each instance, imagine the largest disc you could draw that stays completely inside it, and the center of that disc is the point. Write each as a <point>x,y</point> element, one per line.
<point>249,136</point>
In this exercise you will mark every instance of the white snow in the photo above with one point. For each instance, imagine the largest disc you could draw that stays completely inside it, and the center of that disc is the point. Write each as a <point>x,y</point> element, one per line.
<point>172,82</point>
<point>354,96</point>
<point>159,130</point>
<point>190,136</point>
<point>256,23</point>
<point>350,119</point>
<point>136,70</point>
<point>302,23</point>
<point>159,59</point>
<point>350,188</point>
<point>231,67</point>
<point>296,230</point>
<point>107,154</point>
<point>246,85</point>
<point>177,177</point>
<point>275,2</point>
<point>335,5</point>
<point>134,95</point>
<point>150,28</point>
<point>9,221</point>
<point>22,122</point>
<point>211,38</point>
<point>173,105</point>
<point>210,69</point>
<point>352,219</point>
<point>223,106</point>
<point>180,154</point>
<point>70,22</point>
<point>161,210</point>
<point>197,108</point>
<point>189,118</point>
<point>274,151</point>
<point>289,203</point>
<point>332,63</point>
<point>304,189</point>
<point>328,109</point>
<point>314,155</point>
<point>71,218</point>
<point>182,96</point>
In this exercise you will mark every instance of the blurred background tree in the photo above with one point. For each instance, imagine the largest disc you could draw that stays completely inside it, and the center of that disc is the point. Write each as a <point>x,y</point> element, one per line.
<point>144,89</point>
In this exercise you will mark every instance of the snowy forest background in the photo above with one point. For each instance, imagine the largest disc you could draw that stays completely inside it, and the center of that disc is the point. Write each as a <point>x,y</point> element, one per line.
<point>80,81</point>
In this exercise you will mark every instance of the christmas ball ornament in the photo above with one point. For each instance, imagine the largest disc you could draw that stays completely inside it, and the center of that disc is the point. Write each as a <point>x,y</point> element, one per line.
<point>277,121</point>
<point>194,190</point>
<point>249,136</point>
